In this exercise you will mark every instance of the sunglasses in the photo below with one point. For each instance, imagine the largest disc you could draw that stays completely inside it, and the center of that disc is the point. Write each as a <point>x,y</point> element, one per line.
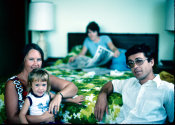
<point>138,62</point>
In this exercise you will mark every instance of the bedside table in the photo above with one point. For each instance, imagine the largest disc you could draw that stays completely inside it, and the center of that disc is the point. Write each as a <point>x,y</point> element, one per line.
<point>168,65</point>
<point>168,68</point>
<point>50,61</point>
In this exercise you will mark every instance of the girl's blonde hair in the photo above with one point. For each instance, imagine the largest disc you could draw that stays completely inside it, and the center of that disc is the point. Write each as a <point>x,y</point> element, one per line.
<point>38,75</point>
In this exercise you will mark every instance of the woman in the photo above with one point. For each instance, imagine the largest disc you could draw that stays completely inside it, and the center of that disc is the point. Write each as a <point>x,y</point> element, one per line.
<point>15,90</point>
<point>93,40</point>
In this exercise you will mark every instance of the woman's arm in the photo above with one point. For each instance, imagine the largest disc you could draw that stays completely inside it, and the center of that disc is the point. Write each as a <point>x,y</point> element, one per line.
<point>52,95</point>
<point>82,53</point>
<point>23,112</point>
<point>77,99</point>
<point>113,49</point>
<point>11,103</point>
<point>66,88</point>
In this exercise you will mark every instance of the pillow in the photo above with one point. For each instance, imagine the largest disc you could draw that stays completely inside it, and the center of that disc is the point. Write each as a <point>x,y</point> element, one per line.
<point>119,63</point>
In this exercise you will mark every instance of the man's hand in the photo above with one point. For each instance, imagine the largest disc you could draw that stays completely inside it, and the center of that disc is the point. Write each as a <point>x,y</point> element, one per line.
<point>71,59</point>
<point>101,106</point>
<point>116,53</point>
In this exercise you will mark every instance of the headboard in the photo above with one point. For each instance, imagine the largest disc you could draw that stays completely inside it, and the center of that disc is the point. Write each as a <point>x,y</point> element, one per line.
<point>120,40</point>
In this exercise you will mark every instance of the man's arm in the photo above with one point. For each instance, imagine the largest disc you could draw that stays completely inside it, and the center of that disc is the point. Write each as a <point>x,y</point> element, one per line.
<point>113,49</point>
<point>101,104</point>
<point>82,53</point>
<point>169,105</point>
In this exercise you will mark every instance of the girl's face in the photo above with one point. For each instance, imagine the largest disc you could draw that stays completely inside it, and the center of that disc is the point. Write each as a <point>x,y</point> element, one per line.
<point>92,34</point>
<point>39,87</point>
<point>32,60</point>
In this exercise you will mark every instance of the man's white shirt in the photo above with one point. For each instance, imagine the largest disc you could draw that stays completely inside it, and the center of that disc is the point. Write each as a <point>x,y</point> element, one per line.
<point>149,103</point>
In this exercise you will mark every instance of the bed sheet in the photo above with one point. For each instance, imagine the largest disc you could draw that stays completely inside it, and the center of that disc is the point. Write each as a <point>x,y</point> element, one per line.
<point>89,85</point>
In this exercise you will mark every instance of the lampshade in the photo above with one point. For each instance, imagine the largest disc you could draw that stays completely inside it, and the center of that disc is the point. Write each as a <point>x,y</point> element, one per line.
<point>170,15</point>
<point>41,16</point>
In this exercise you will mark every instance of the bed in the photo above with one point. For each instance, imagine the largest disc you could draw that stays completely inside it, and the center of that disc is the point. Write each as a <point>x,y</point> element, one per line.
<point>90,83</point>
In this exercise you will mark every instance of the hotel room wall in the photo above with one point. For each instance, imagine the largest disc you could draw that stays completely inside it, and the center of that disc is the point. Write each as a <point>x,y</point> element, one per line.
<point>113,16</point>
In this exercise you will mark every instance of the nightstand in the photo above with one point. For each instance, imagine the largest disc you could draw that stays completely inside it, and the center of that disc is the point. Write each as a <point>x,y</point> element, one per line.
<point>169,69</point>
<point>50,61</point>
<point>167,66</point>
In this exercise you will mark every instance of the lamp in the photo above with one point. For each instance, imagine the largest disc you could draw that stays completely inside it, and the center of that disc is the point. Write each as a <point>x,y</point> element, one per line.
<point>41,19</point>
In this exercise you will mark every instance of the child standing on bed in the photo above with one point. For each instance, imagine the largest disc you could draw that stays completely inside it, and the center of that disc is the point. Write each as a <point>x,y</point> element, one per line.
<point>39,96</point>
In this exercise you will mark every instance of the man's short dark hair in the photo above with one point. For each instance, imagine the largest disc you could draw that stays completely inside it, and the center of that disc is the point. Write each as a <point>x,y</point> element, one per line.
<point>140,48</point>
<point>93,26</point>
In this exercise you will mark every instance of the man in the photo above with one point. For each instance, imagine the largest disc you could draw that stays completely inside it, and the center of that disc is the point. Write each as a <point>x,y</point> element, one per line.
<point>146,98</point>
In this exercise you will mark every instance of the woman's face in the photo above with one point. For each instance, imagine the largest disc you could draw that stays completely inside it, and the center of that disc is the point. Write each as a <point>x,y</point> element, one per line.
<point>32,60</point>
<point>92,34</point>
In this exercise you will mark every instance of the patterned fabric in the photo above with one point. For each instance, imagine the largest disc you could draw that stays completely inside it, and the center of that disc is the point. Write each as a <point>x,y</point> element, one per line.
<point>38,104</point>
<point>89,85</point>
<point>20,90</point>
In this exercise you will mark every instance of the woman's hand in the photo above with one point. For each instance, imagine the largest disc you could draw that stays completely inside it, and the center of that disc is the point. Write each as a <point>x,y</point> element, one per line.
<point>78,99</point>
<point>55,104</point>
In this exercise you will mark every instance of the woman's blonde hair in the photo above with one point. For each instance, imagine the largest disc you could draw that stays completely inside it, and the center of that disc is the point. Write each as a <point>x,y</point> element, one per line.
<point>38,75</point>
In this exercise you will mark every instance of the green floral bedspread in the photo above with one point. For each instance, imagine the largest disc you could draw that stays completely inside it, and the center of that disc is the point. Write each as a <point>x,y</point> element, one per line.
<point>89,86</point>
<point>2,108</point>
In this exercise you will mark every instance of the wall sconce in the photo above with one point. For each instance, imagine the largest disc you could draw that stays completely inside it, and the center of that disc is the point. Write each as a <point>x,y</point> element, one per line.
<point>41,20</point>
